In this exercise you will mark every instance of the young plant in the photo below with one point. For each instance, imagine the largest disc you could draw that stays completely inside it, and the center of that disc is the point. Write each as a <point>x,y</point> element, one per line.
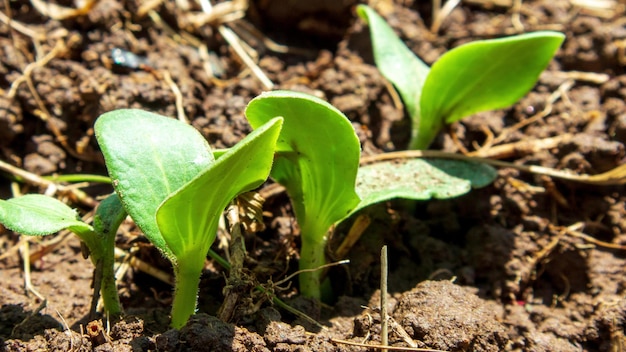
<point>39,215</point>
<point>478,76</point>
<point>171,185</point>
<point>317,158</point>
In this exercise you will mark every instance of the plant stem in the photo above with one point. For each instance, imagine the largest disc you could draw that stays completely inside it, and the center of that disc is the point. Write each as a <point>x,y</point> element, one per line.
<point>311,257</point>
<point>234,283</point>
<point>108,288</point>
<point>79,178</point>
<point>384,317</point>
<point>109,216</point>
<point>185,292</point>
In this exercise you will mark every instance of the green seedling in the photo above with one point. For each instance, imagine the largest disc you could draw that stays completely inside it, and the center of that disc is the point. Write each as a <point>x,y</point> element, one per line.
<point>39,215</point>
<point>171,185</point>
<point>478,76</point>
<point>317,158</point>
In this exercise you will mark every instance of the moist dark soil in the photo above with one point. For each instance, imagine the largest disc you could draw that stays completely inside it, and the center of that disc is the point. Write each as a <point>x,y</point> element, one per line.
<point>529,263</point>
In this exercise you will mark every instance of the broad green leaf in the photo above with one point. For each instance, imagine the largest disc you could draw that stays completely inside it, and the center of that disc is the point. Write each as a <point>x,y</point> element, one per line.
<point>396,62</point>
<point>39,215</point>
<point>420,179</point>
<point>317,157</point>
<point>149,157</point>
<point>483,75</point>
<point>188,218</point>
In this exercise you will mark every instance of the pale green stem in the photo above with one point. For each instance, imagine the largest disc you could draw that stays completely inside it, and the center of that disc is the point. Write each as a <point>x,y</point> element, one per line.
<point>108,290</point>
<point>311,257</point>
<point>185,292</point>
<point>109,216</point>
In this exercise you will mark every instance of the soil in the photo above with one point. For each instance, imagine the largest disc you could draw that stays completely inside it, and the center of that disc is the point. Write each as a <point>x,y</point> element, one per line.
<point>503,268</point>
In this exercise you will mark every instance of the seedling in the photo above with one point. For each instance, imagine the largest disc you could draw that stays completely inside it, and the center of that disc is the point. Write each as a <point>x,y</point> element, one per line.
<point>39,215</point>
<point>317,158</point>
<point>169,182</point>
<point>478,76</point>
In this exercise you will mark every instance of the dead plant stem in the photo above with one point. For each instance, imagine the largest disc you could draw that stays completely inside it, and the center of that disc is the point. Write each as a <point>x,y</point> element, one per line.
<point>384,329</point>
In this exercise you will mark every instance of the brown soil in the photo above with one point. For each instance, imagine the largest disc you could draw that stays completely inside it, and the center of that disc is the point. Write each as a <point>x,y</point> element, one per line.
<point>520,280</point>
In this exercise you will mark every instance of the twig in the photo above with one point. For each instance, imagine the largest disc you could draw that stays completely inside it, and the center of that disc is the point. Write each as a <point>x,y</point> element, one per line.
<point>516,16</point>
<point>148,6</point>
<point>151,270</point>
<point>321,267</point>
<point>58,12</point>
<point>28,285</point>
<point>523,147</point>
<point>389,348</point>
<point>232,290</point>
<point>573,230</point>
<point>43,113</point>
<point>22,28</point>
<point>231,38</point>
<point>440,15</point>
<point>183,37</point>
<point>384,326</point>
<point>491,3</point>
<point>536,258</point>
<point>97,286</point>
<point>356,230</point>
<point>599,8</point>
<point>398,329</point>
<point>393,93</point>
<point>28,70</point>
<point>556,95</point>
<point>14,248</point>
<point>50,245</point>
<point>220,13</point>
<point>581,76</point>
<point>180,110</point>
<point>244,26</point>
<point>436,4</point>
<point>77,195</point>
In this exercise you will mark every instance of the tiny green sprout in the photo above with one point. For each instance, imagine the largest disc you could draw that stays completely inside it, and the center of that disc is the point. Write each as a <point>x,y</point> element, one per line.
<point>474,77</point>
<point>39,215</point>
<point>171,185</point>
<point>317,158</point>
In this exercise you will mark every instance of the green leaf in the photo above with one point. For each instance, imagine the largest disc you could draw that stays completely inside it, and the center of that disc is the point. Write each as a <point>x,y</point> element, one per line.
<point>149,157</point>
<point>317,156</point>
<point>396,62</point>
<point>483,75</point>
<point>188,218</point>
<point>420,179</point>
<point>39,215</point>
